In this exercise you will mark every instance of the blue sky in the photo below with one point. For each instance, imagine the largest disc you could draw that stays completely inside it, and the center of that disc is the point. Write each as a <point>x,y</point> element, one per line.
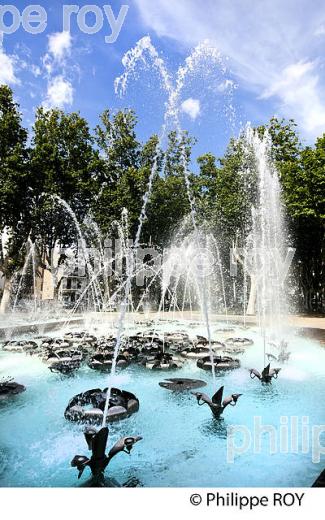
<point>274,51</point>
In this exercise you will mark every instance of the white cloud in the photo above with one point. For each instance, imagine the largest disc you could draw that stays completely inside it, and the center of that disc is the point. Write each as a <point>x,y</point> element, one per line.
<point>191,107</point>
<point>7,68</point>
<point>36,70</point>
<point>262,39</point>
<point>47,63</point>
<point>298,86</point>
<point>60,45</point>
<point>59,93</point>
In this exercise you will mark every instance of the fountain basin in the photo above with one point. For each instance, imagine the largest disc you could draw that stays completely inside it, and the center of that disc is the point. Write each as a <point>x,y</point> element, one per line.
<point>219,362</point>
<point>104,362</point>
<point>9,388</point>
<point>183,444</point>
<point>88,407</point>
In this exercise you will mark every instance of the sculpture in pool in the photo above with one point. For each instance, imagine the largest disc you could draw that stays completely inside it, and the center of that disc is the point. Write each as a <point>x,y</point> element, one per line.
<point>99,461</point>
<point>267,374</point>
<point>217,405</point>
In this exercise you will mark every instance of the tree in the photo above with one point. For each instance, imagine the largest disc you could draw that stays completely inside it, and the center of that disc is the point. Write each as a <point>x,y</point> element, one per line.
<point>119,184</point>
<point>305,197</point>
<point>228,191</point>
<point>63,167</point>
<point>14,190</point>
<point>302,175</point>
<point>169,202</point>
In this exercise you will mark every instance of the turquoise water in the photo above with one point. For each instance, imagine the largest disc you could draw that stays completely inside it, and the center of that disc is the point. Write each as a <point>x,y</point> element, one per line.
<point>183,445</point>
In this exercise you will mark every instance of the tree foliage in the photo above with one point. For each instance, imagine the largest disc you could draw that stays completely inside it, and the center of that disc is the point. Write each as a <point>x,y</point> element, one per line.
<point>104,171</point>
<point>14,183</point>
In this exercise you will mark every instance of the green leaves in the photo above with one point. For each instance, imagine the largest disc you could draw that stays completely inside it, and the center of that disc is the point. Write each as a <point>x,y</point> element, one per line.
<point>119,182</point>
<point>104,171</point>
<point>228,191</point>
<point>302,174</point>
<point>13,161</point>
<point>63,163</point>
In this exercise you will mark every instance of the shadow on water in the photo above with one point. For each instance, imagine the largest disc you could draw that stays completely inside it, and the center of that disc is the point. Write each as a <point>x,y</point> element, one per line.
<point>111,482</point>
<point>64,377</point>
<point>180,398</point>
<point>215,427</point>
<point>133,482</point>
<point>14,402</point>
<point>267,392</point>
<point>173,461</point>
<point>4,462</point>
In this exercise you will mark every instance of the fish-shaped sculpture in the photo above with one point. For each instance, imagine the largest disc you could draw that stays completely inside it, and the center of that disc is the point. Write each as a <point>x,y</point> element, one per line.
<point>98,462</point>
<point>217,404</point>
<point>267,375</point>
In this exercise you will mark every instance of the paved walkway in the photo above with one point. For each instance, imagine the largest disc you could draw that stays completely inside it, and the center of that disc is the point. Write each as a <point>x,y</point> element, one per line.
<point>297,321</point>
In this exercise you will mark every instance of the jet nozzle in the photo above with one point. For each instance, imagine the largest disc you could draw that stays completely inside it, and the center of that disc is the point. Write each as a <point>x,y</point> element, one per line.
<point>90,434</point>
<point>130,441</point>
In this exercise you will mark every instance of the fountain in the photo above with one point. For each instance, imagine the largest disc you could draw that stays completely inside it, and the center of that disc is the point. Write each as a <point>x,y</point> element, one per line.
<point>9,388</point>
<point>160,410</point>
<point>218,363</point>
<point>183,336</point>
<point>202,55</point>
<point>90,406</point>
<point>181,384</point>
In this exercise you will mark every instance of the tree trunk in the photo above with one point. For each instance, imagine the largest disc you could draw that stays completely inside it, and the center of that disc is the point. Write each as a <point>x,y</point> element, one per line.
<point>56,287</point>
<point>5,300</point>
<point>252,297</point>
